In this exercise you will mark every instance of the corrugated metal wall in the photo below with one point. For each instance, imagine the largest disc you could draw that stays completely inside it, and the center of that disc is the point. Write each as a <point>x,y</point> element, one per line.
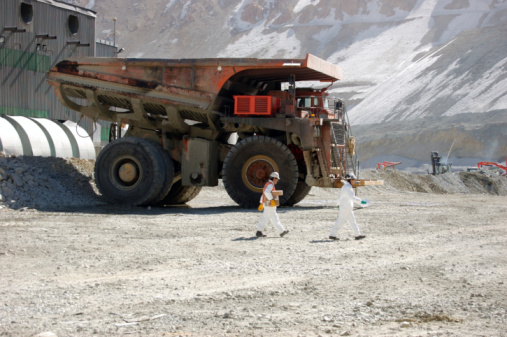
<point>104,48</point>
<point>34,36</point>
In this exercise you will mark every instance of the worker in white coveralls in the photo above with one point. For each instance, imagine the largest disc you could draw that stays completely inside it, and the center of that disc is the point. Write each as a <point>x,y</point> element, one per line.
<point>346,204</point>
<point>269,211</point>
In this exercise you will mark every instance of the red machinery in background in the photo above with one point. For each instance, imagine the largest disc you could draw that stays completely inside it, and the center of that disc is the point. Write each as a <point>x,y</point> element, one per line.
<point>485,163</point>
<point>387,164</point>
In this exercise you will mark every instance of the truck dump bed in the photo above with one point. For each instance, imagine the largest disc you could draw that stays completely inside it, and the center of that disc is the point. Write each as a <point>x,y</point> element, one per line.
<point>153,89</point>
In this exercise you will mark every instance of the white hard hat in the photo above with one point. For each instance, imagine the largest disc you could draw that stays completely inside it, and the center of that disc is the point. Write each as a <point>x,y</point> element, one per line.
<point>275,175</point>
<point>350,176</point>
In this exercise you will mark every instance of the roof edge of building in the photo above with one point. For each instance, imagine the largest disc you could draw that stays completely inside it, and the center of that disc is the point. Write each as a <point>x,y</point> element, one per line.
<point>64,5</point>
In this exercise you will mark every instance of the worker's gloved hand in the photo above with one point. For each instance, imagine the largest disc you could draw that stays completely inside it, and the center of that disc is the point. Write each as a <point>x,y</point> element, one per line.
<point>363,202</point>
<point>261,207</point>
<point>272,203</point>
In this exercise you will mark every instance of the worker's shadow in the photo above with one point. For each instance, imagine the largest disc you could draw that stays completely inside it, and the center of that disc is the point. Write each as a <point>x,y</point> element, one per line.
<point>253,238</point>
<point>322,241</point>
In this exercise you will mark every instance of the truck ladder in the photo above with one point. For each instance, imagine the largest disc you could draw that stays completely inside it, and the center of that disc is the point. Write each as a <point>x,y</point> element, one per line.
<point>350,159</point>
<point>337,146</point>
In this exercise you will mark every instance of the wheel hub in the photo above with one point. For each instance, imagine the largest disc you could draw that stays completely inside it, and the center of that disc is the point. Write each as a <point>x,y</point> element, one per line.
<point>256,172</point>
<point>128,173</point>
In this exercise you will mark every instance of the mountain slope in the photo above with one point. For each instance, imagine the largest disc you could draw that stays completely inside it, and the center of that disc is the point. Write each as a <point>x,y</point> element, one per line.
<point>403,60</point>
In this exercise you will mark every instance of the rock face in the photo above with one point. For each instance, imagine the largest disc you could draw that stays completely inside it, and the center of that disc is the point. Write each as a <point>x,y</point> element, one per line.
<point>404,59</point>
<point>404,62</point>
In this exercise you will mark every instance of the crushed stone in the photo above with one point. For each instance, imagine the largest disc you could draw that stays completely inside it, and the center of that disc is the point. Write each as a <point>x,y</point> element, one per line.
<point>46,182</point>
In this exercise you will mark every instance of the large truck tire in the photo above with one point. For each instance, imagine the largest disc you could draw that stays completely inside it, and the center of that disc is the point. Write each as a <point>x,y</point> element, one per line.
<point>248,165</point>
<point>130,171</point>
<point>168,175</point>
<point>180,194</point>
<point>301,191</point>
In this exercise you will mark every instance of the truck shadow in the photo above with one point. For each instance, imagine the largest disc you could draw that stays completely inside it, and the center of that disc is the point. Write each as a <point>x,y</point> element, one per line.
<point>146,210</point>
<point>155,211</point>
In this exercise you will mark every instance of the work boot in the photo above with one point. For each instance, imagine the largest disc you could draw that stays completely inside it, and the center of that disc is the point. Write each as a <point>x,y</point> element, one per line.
<point>333,238</point>
<point>260,235</point>
<point>283,233</point>
<point>360,237</point>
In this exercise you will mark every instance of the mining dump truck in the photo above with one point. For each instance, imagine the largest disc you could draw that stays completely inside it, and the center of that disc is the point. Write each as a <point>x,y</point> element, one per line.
<point>192,122</point>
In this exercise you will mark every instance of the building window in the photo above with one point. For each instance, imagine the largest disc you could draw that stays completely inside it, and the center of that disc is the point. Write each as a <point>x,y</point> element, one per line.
<point>26,12</point>
<point>73,23</point>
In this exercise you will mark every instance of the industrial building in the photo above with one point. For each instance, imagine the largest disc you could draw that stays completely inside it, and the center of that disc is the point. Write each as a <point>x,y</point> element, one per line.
<point>34,36</point>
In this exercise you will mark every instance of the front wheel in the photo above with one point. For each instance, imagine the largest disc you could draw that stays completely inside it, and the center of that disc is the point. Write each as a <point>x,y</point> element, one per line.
<point>248,165</point>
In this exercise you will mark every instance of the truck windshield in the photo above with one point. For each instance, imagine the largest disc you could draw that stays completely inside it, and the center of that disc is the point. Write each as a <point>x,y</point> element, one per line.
<point>312,102</point>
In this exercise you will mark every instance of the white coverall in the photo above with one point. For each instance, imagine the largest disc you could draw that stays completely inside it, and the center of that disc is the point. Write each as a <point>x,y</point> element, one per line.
<point>269,212</point>
<point>346,202</point>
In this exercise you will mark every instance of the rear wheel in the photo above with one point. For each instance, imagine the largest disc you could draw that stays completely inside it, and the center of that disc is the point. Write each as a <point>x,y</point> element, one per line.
<point>302,189</point>
<point>130,171</point>
<point>299,194</point>
<point>248,165</point>
<point>180,194</point>
<point>168,175</point>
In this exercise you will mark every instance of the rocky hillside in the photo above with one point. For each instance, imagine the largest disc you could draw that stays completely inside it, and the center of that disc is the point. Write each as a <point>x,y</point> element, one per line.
<point>403,60</point>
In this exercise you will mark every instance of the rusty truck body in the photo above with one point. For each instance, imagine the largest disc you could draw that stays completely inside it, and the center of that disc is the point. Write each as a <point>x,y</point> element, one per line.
<point>182,114</point>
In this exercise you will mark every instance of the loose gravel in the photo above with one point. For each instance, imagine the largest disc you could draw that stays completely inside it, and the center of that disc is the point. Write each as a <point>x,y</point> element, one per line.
<point>433,262</point>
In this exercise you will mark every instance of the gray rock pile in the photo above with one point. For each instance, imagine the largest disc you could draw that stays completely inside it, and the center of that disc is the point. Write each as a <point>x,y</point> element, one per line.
<point>482,182</point>
<point>46,182</point>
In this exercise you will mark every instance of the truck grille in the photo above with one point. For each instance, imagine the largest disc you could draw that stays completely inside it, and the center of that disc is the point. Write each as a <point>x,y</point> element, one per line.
<point>255,105</point>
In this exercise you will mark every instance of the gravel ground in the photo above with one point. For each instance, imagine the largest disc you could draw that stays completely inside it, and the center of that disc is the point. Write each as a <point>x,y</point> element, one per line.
<point>433,262</point>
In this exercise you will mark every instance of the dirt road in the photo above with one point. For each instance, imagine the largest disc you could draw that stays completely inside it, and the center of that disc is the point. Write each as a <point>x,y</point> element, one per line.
<point>431,265</point>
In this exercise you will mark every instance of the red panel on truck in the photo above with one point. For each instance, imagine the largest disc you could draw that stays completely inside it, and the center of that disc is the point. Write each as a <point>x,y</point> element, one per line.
<point>256,105</point>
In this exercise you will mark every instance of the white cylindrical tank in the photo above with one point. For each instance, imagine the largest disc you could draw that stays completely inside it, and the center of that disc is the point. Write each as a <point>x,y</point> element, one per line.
<point>61,143</point>
<point>27,136</point>
<point>10,142</point>
<point>84,142</point>
<point>33,134</point>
